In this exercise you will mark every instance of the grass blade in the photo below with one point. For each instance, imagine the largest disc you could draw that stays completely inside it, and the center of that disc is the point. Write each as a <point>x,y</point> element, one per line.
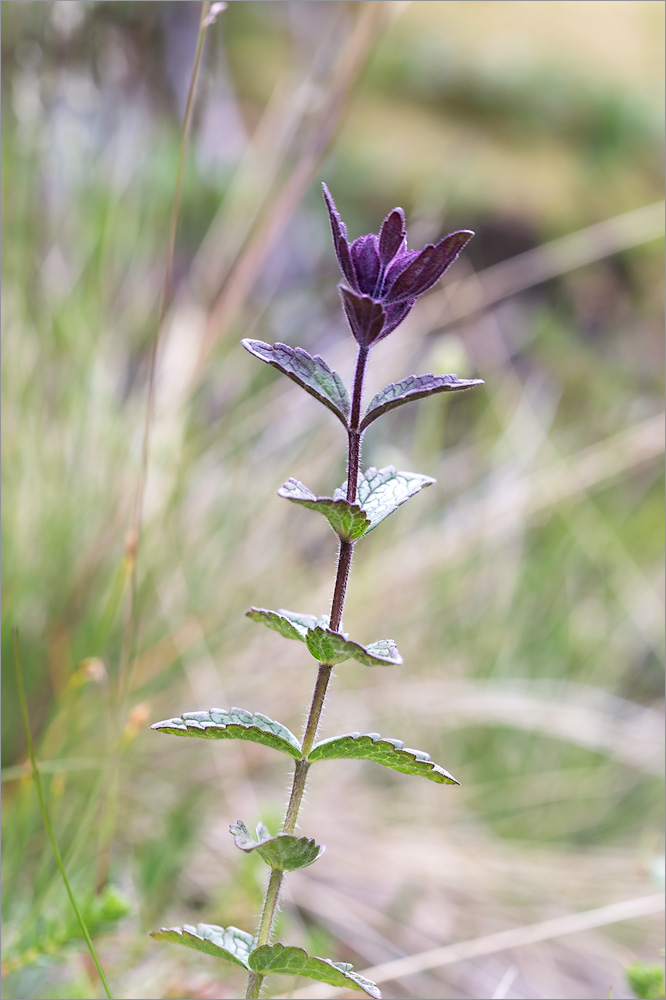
<point>45,812</point>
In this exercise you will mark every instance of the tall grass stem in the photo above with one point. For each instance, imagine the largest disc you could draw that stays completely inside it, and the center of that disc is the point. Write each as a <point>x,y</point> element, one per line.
<point>45,813</point>
<point>135,530</point>
<point>131,626</point>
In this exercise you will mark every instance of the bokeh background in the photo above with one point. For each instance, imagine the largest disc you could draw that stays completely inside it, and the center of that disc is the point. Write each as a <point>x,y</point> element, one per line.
<point>524,589</point>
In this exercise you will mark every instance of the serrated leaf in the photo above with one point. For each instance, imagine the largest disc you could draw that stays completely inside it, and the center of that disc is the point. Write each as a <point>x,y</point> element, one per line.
<point>291,961</point>
<point>334,647</point>
<point>284,852</point>
<point>381,750</point>
<point>229,943</point>
<point>411,388</point>
<point>236,724</point>
<point>381,491</point>
<point>311,373</point>
<point>348,520</point>
<point>290,624</point>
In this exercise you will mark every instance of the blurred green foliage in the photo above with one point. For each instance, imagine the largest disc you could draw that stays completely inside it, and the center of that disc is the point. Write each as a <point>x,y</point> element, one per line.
<point>647,981</point>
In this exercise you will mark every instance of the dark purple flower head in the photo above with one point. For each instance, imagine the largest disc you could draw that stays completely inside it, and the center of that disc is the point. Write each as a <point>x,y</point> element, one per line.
<point>384,277</point>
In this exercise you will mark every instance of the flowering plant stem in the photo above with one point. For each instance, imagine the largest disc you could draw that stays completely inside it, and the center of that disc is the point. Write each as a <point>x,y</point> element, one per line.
<point>384,281</point>
<point>302,767</point>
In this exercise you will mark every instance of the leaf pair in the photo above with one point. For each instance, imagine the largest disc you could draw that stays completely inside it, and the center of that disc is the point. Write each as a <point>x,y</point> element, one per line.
<point>237,723</point>
<point>379,493</point>
<point>240,948</point>
<point>315,376</point>
<point>326,646</point>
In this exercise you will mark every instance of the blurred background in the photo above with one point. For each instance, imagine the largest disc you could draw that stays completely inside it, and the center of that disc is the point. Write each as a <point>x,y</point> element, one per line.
<point>524,590</point>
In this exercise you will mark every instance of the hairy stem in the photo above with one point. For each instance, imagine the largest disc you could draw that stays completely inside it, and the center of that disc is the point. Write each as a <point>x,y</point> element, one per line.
<point>255,980</point>
<point>354,421</point>
<point>302,767</point>
<point>344,565</point>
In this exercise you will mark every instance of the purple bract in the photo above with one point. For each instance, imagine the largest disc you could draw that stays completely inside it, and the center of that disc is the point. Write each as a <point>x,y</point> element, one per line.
<point>384,277</point>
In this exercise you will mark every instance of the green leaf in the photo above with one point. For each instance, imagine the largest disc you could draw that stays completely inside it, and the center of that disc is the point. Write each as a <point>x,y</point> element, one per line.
<point>381,491</point>
<point>389,753</point>
<point>290,624</point>
<point>284,853</point>
<point>348,520</point>
<point>229,943</point>
<point>280,621</point>
<point>334,647</point>
<point>326,646</point>
<point>296,962</point>
<point>237,724</point>
<point>311,373</point>
<point>646,980</point>
<point>411,388</point>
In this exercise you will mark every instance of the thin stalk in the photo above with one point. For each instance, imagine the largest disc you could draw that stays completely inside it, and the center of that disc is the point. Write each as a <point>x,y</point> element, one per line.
<point>131,625</point>
<point>45,813</point>
<point>271,899</point>
<point>270,903</point>
<point>137,520</point>
<point>354,422</point>
<point>344,565</point>
<point>255,980</point>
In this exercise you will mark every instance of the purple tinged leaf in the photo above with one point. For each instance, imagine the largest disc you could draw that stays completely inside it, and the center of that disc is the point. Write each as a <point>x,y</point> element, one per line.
<point>381,750</point>
<point>398,265</point>
<point>411,388</point>
<point>395,315</point>
<point>392,236</point>
<point>290,961</point>
<point>428,267</point>
<point>339,232</point>
<point>340,241</point>
<point>311,373</point>
<point>383,269</point>
<point>345,261</point>
<point>365,258</point>
<point>364,314</point>
<point>338,227</point>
